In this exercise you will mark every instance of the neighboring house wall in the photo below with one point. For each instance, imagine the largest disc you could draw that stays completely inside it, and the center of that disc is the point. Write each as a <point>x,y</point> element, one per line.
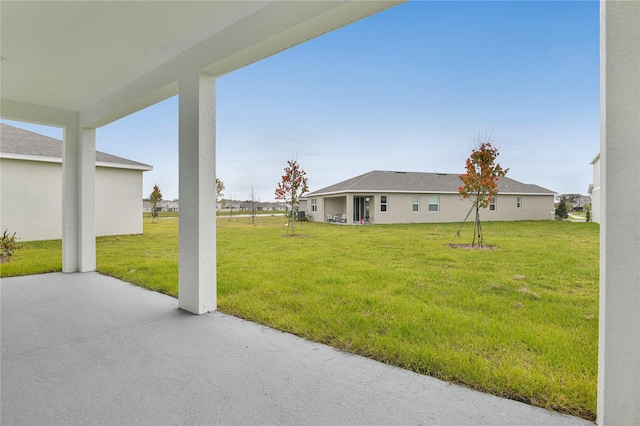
<point>118,201</point>
<point>31,203</point>
<point>596,212</point>
<point>451,208</point>
<point>32,200</point>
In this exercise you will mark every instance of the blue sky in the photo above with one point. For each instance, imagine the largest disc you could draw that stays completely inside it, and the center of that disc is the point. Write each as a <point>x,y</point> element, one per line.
<point>407,89</point>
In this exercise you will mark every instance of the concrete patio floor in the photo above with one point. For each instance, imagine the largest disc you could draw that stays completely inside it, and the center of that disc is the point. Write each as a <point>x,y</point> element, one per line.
<point>89,349</point>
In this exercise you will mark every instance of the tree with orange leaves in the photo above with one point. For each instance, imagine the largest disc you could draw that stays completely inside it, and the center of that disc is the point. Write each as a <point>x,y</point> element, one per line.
<point>480,182</point>
<point>292,187</point>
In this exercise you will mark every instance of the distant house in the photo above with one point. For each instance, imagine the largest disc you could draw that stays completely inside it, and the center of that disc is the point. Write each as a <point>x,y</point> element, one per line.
<point>161,206</point>
<point>410,197</point>
<point>594,189</point>
<point>31,185</point>
<point>168,206</point>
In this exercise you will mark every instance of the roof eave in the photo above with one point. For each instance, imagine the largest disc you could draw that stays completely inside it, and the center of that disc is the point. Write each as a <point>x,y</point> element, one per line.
<point>378,191</point>
<point>23,157</point>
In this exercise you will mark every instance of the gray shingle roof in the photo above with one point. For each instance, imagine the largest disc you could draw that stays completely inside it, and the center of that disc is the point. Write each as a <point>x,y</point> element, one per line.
<point>391,181</point>
<point>23,142</point>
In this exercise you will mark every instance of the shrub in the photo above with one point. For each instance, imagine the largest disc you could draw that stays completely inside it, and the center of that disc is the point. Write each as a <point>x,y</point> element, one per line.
<point>8,245</point>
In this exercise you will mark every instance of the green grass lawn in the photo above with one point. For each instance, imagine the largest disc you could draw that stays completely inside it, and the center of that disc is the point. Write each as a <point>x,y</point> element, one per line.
<point>520,321</point>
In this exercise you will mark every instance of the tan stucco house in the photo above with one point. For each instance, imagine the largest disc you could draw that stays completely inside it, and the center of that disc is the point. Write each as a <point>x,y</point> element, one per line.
<point>31,185</point>
<point>384,197</point>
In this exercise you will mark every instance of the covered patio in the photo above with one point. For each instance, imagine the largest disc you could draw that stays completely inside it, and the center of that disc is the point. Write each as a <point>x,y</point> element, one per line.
<point>85,349</point>
<point>352,209</point>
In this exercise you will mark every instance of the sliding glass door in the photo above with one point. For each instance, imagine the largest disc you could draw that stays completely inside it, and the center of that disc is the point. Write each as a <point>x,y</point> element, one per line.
<point>361,209</point>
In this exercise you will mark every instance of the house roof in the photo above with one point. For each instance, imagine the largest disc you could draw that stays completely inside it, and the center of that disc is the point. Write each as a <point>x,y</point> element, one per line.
<point>22,144</point>
<point>392,181</point>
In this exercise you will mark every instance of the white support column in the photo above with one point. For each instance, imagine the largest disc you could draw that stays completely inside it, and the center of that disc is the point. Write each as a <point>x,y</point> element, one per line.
<point>619,339</point>
<point>197,231</point>
<point>78,199</point>
<point>349,209</point>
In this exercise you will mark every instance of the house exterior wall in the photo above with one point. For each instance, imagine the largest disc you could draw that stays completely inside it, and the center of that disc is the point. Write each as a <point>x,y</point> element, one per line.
<point>451,208</point>
<point>304,206</point>
<point>31,200</point>
<point>118,201</point>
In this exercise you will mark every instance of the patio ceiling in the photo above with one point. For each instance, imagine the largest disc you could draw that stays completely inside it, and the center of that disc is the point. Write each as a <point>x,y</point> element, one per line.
<point>110,59</point>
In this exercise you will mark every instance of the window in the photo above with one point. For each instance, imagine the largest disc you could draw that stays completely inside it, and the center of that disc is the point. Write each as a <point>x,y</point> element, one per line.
<point>434,203</point>
<point>383,203</point>
<point>314,204</point>
<point>416,203</point>
<point>518,202</point>
<point>493,204</point>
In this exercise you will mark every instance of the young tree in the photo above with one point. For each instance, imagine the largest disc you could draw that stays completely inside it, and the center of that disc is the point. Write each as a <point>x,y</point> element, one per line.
<point>480,182</point>
<point>155,197</point>
<point>252,202</point>
<point>561,211</point>
<point>292,187</point>
<point>219,194</point>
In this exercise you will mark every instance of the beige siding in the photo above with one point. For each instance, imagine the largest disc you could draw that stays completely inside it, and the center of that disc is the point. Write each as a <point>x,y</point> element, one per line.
<point>31,200</point>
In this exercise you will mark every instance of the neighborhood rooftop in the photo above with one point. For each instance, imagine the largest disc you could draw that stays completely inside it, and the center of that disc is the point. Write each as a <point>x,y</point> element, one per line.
<point>20,142</point>
<point>383,181</point>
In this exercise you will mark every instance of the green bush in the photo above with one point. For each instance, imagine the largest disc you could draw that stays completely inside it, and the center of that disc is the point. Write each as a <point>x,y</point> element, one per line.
<point>8,244</point>
<point>561,210</point>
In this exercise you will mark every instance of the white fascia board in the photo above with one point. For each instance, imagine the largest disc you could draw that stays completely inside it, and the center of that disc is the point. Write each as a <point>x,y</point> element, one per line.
<point>527,193</point>
<point>377,191</point>
<point>595,158</point>
<point>23,157</point>
<point>124,166</point>
<point>273,28</point>
<point>324,194</point>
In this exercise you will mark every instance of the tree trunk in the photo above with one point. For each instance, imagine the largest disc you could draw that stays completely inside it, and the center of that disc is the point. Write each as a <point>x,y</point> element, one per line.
<point>477,229</point>
<point>293,231</point>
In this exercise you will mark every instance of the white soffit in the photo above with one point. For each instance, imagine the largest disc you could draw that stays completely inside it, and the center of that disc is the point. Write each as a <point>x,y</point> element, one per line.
<point>108,59</point>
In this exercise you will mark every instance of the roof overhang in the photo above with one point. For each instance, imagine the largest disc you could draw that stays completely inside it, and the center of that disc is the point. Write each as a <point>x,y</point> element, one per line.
<point>393,191</point>
<point>98,61</point>
<point>22,157</point>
